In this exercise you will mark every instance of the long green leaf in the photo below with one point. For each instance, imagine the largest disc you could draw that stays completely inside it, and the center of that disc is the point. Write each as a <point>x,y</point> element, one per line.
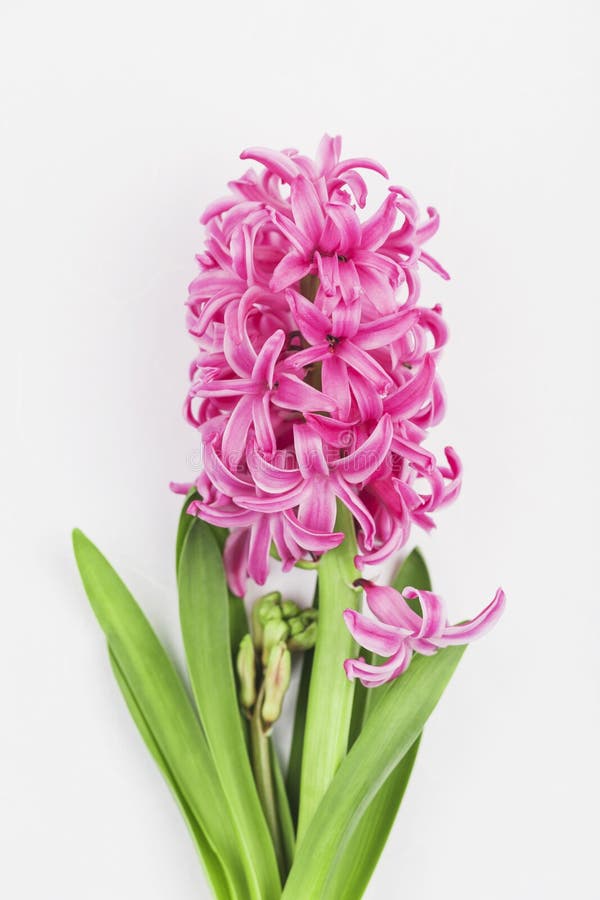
<point>212,865</point>
<point>204,613</point>
<point>163,702</point>
<point>238,620</point>
<point>283,808</point>
<point>294,770</point>
<point>353,867</point>
<point>356,864</point>
<point>185,523</point>
<point>413,573</point>
<point>389,732</point>
<point>329,710</point>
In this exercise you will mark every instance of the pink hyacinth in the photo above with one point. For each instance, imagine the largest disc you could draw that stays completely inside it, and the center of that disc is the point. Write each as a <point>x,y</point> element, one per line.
<point>398,631</point>
<point>316,375</point>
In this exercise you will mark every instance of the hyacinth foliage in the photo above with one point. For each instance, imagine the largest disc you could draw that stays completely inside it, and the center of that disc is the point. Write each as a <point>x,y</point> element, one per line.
<point>313,390</point>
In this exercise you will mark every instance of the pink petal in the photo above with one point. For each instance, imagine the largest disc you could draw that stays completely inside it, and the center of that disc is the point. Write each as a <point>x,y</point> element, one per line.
<point>345,319</point>
<point>359,465</point>
<point>317,509</point>
<point>273,160</point>
<point>302,358</point>
<point>267,358</point>
<point>227,516</point>
<point>263,424</point>
<point>271,478</point>
<point>358,163</point>
<point>328,153</point>
<point>375,676</point>
<point>386,329</point>
<point>347,225</point>
<point>357,508</point>
<point>235,436</point>
<point>222,387</point>
<point>334,379</point>
<point>389,606</point>
<point>376,229</point>
<point>306,208</point>
<point>309,452</point>
<point>274,504</point>
<point>223,478</point>
<point>461,634</point>
<point>433,613</point>
<point>434,265</point>
<point>410,397</point>
<point>235,560</point>
<point>258,550</point>
<point>179,487</point>
<point>217,208</point>
<point>310,540</point>
<point>313,324</point>
<point>357,185</point>
<point>291,269</point>
<point>374,636</point>
<point>300,241</point>
<point>292,393</point>
<point>364,364</point>
<point>335,432</point>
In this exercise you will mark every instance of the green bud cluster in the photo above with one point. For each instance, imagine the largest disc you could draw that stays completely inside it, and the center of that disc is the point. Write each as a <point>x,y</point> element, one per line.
<point>279,627</point>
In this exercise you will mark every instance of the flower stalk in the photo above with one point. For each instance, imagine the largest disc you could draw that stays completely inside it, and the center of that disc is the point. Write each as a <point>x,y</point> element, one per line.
<point>329,710</point>
<point>263,775</point>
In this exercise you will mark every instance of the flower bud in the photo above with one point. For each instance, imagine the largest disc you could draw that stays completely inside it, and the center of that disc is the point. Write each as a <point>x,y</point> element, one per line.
<point>296,625</point>
<point>309,615</point>
<point>261,611</point>
<point>246,669</point>
<point>289,609</point>
<point>277,680</point>
<point>275,632</point>
<point>305,639</point>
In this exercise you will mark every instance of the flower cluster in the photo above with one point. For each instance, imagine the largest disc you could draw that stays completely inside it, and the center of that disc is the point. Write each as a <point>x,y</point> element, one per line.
<point>316,375</point>
<point>406,623</point>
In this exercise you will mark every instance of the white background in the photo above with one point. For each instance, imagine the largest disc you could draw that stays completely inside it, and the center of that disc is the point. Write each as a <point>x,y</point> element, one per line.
<point>121,121</point>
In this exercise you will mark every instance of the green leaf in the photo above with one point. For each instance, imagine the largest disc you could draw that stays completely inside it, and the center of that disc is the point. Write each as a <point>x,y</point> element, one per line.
<point>390,730</point>
<point>238,619</point>
<point>413,573</point>
<point>204,613</point>
<point>185,523</point>
<point>354,866</point>
<point>360,705</point>
<point>212,865</point>
<point>283,808</point>
<point>329,710</point>
<point>294,771</point>
<point>163,703</point>
<point>358,861</point>
<point>238,622</point>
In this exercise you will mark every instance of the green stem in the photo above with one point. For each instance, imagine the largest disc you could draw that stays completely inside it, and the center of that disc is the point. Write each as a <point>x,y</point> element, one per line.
<point>263,775</point>
<point>329,710</point>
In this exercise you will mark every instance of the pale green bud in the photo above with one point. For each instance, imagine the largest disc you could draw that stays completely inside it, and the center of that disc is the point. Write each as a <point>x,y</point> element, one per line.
<point>296,625</point>
<point>275,632</point>
<point>246,669</point>
<point>289,609</point>
<point>260,613</point>
<point>277,680</point>
<point>305,639</point>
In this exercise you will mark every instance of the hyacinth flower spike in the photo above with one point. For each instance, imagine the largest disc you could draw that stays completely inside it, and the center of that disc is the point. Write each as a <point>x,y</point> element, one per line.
<point>398,630</point>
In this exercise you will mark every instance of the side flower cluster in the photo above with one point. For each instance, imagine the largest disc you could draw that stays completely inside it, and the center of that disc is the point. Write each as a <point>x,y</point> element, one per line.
<point>316,375</point>
<point>406,623</point>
